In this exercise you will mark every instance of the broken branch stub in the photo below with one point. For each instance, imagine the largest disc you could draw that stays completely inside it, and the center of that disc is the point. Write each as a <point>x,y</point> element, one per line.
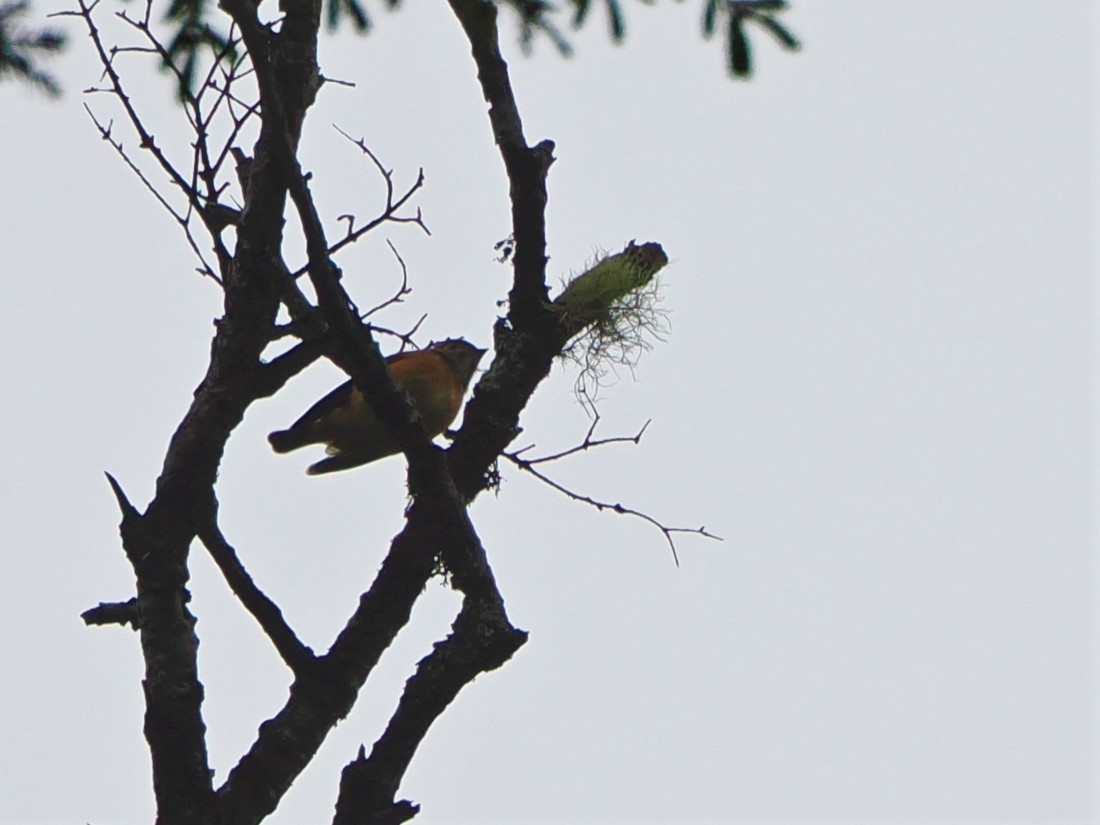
<point>591,298</point>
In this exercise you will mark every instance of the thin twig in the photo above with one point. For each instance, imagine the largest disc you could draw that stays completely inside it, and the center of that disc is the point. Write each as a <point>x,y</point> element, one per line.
<point>147,141</point>
<point>406,338</point>
<point>105,133</point>
<point>402,291</point>
<point>388,214</point>
<point>529,466</point>
<point>589,442</point>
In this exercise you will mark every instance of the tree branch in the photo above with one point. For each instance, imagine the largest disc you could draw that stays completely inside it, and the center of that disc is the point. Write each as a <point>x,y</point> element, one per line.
<point>157,542</point>
<point>526,166</point>
<point>588,443</point>
<point>668,532</point>
<point>297,655</point>
<point>123,613</point>
<point>479,643</point>
<point>173,694</point>
<point>325,694</point>
<point>105,134</point>
<point>438,533</point>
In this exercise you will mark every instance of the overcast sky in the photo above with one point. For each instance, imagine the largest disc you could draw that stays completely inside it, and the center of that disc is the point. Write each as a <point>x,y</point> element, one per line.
<point>877,389</point>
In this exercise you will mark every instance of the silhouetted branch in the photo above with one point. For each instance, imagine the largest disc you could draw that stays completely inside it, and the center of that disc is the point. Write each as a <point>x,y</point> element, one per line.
<point>588,443</point>
<point>123,613</point>
<point>406,338</point>
<point>184,223</point>
<point>214,215</point>
<point>437,521</point>
<point>147,141</point>
<point>325,694</point>
<point>438,535</point>
<point>275,373</point>
<point>267,614</point>
<point>528,465</point>
<point>389,213</point>
<point>128,511</point>
<point>526,166</point>
<point>402,290</point>
<point>480,642</point>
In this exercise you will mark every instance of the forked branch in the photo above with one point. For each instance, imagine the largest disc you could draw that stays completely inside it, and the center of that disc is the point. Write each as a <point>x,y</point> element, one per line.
<point>530,465</point>
<point>390,212</point>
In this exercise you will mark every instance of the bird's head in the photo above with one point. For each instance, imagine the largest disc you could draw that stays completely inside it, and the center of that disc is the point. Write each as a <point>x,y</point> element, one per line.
<point>461,355</point>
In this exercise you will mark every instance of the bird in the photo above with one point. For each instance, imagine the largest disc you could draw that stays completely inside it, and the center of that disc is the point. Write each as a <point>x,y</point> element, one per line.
<point>435,378</point>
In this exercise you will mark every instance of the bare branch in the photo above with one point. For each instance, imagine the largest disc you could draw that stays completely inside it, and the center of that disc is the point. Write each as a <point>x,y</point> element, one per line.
<point>406,338</point>
<point>204,166</point>
<point>402,291</point>
<point>531,337</point>
<point>437,520</point>
<point>479,643</point>
<point>527,166</point>
<point>588,443</point>
<point>155,47</point>
<point>274,374</point>
<point>668,532</point>
<point>147,141</point>
<point>438,533</point>
<point>358,802</point>
<point>297,655</point>
<point>157,542</point>
<point>320,698</point>
<point>389,213</point>
<point>123,613</point>
<point>129,512</point>
<point>105,134</point>
<point>348,83</point>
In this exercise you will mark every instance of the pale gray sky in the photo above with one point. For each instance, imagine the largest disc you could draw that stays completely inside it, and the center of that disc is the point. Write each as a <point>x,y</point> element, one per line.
<point>877,389</point>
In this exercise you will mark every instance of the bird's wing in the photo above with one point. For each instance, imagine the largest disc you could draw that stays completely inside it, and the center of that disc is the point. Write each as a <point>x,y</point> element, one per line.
<point>333,401</point>
<point>342,394</point>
